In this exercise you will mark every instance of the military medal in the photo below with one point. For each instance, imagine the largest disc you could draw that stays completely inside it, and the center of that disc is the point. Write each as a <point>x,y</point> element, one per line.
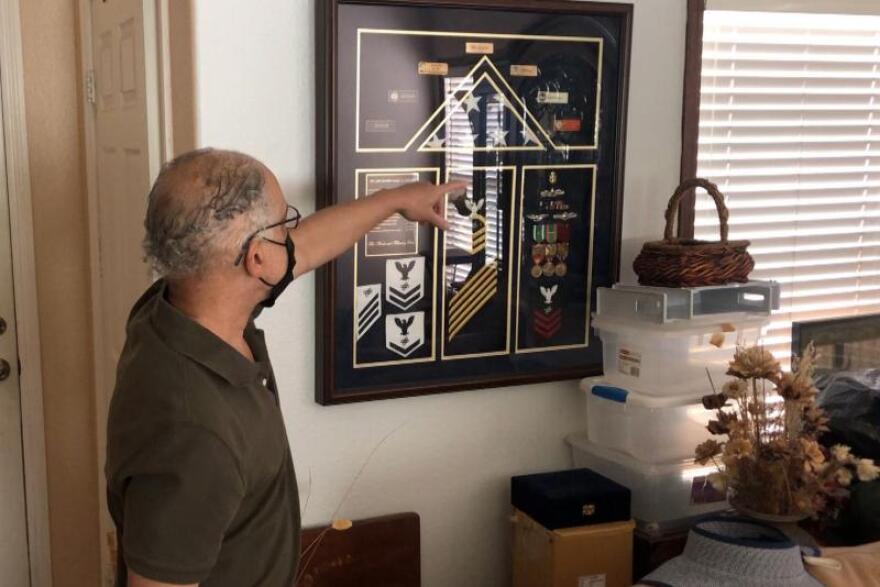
<point>549,269</point>
<point>539,232</point>
<point>551,250</point>
<point>536,271</point>
<point>537,254</point>
<point>552,233</point>
<point>562,250</point>
<point>561,269</point>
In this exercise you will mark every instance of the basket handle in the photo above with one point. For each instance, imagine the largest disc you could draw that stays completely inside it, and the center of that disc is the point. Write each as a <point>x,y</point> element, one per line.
<point>686,186</point>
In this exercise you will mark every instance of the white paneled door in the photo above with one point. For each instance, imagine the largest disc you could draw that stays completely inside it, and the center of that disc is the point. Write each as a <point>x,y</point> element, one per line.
<point>14,565</point>
<point>126,160</point>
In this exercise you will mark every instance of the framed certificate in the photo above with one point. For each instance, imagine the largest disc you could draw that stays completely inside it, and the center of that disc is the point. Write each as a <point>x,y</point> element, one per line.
<point>524,99</point>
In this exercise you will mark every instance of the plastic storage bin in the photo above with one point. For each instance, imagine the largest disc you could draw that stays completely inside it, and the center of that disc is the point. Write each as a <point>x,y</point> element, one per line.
<point>650,428</point>
<point>672,358</point>
<point>663,496</point>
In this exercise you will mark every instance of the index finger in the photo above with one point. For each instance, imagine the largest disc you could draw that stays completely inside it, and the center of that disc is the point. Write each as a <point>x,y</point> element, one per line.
<point>453,186</point>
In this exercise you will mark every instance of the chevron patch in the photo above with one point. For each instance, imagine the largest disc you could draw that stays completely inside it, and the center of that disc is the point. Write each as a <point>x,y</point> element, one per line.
<point>368,305</point>
<point>479,237</point>
<point>404,333</point>
<point>547,323</point>
<point>404,281</point>
<point>472,297</point>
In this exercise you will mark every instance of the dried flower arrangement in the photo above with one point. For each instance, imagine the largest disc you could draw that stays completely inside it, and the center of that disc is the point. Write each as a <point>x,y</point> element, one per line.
<point>771,461</point>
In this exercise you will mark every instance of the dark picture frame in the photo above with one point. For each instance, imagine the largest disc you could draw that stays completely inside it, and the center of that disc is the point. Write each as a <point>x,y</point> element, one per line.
<point>478,315</point>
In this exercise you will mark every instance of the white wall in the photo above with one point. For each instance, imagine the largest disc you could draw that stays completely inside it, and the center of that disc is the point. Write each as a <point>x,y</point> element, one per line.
<point>452,459</point>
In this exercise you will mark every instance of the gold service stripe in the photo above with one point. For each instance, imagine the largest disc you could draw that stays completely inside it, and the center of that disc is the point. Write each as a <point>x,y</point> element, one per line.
<point>476,280</point>
<point>489,295</point>
<point>455,314</point>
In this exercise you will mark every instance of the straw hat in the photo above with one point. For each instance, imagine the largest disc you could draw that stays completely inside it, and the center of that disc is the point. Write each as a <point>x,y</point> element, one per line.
<point>734,552</point>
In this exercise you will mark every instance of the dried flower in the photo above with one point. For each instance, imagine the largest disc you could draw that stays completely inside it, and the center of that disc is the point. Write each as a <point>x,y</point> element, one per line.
<point>727,418</point>
<point>706,450</point>
<point>735,388</point>
<point>716,427</point>
<point>739,447</point>
<point>754,362</point>
<point>843,476</point>
<point>772,460</point>
<point>795,386</point>
<point>714,401</point>
<point>717,340</point>
<point>867,470</point>
<point>814,458</point>
<point>842,453</point>
<point>815,420</point>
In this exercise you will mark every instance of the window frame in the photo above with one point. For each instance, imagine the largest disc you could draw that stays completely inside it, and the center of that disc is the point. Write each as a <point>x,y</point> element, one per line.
<point>690,115</point>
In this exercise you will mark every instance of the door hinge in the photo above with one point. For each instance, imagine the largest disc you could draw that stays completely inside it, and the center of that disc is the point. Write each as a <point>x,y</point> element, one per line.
<point>91,96</point>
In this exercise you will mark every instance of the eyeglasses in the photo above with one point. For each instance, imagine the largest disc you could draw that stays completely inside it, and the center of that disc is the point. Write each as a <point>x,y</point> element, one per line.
<point>291,221</point>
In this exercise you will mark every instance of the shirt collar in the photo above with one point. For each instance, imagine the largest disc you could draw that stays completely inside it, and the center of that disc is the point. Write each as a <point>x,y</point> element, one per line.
<point>193,340</point>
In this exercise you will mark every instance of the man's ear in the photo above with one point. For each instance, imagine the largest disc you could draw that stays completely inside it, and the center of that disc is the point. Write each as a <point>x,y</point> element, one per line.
<point>254,259</point>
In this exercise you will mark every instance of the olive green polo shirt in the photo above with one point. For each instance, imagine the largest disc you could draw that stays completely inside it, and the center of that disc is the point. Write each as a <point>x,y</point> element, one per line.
<point>200,480</point>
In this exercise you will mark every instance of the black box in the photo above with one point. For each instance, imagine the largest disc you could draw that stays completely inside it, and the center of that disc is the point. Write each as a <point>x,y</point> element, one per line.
<point>564,499</point>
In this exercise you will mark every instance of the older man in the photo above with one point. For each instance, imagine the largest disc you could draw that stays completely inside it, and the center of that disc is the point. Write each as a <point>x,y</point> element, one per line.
<point>201,484</point>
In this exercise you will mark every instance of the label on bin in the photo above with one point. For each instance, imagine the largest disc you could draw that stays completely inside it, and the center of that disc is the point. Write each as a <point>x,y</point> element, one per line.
<point>591,581</point>
<point>629,362</point>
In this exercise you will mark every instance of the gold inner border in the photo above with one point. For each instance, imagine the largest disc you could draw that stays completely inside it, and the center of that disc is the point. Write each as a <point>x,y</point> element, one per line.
<point>598,40</point>
<point>592,207</point>
<point>409,254</point>
<point>433,356</point>
<point>510,259</point>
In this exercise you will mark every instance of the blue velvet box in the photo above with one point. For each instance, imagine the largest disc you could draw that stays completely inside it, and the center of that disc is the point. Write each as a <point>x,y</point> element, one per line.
<point>565,499</point>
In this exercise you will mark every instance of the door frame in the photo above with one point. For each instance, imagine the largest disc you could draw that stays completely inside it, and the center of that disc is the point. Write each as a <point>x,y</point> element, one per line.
<point>25,291</point>
<point>157,93</point>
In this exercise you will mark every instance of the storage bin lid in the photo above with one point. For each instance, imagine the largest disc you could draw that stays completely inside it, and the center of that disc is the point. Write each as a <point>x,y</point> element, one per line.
<point>685,467</point>
<point>664,304</point>
<point>602,389</point>
<point>727,323</point>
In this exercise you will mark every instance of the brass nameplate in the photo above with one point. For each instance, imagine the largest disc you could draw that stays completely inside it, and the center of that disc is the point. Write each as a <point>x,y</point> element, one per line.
<point>479,48</point>
<point>433,68</point>
<point>524,71</point>
<point>547,97</point>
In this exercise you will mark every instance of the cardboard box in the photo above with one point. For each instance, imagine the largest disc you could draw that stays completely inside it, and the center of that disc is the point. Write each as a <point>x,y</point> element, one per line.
<point>598,555</point>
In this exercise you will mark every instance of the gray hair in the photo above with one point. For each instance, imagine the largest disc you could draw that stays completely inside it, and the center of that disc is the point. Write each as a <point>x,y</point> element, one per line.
<point>202,208</point>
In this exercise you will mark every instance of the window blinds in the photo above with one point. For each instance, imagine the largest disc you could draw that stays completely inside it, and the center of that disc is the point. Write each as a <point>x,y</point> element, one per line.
<point>462,135</point>
<point>790,132</point>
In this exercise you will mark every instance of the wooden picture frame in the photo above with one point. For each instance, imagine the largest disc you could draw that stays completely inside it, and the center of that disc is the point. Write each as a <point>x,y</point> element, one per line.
<point>526,99</point>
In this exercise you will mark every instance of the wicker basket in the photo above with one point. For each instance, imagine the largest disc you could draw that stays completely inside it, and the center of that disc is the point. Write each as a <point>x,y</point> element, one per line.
<point>691,263</point>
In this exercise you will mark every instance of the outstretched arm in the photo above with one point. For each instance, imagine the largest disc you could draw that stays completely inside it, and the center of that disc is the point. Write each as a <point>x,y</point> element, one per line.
<point>331,231</point>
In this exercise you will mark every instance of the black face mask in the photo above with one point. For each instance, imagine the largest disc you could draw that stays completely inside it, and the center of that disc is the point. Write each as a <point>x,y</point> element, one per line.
<point>278,288</point>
